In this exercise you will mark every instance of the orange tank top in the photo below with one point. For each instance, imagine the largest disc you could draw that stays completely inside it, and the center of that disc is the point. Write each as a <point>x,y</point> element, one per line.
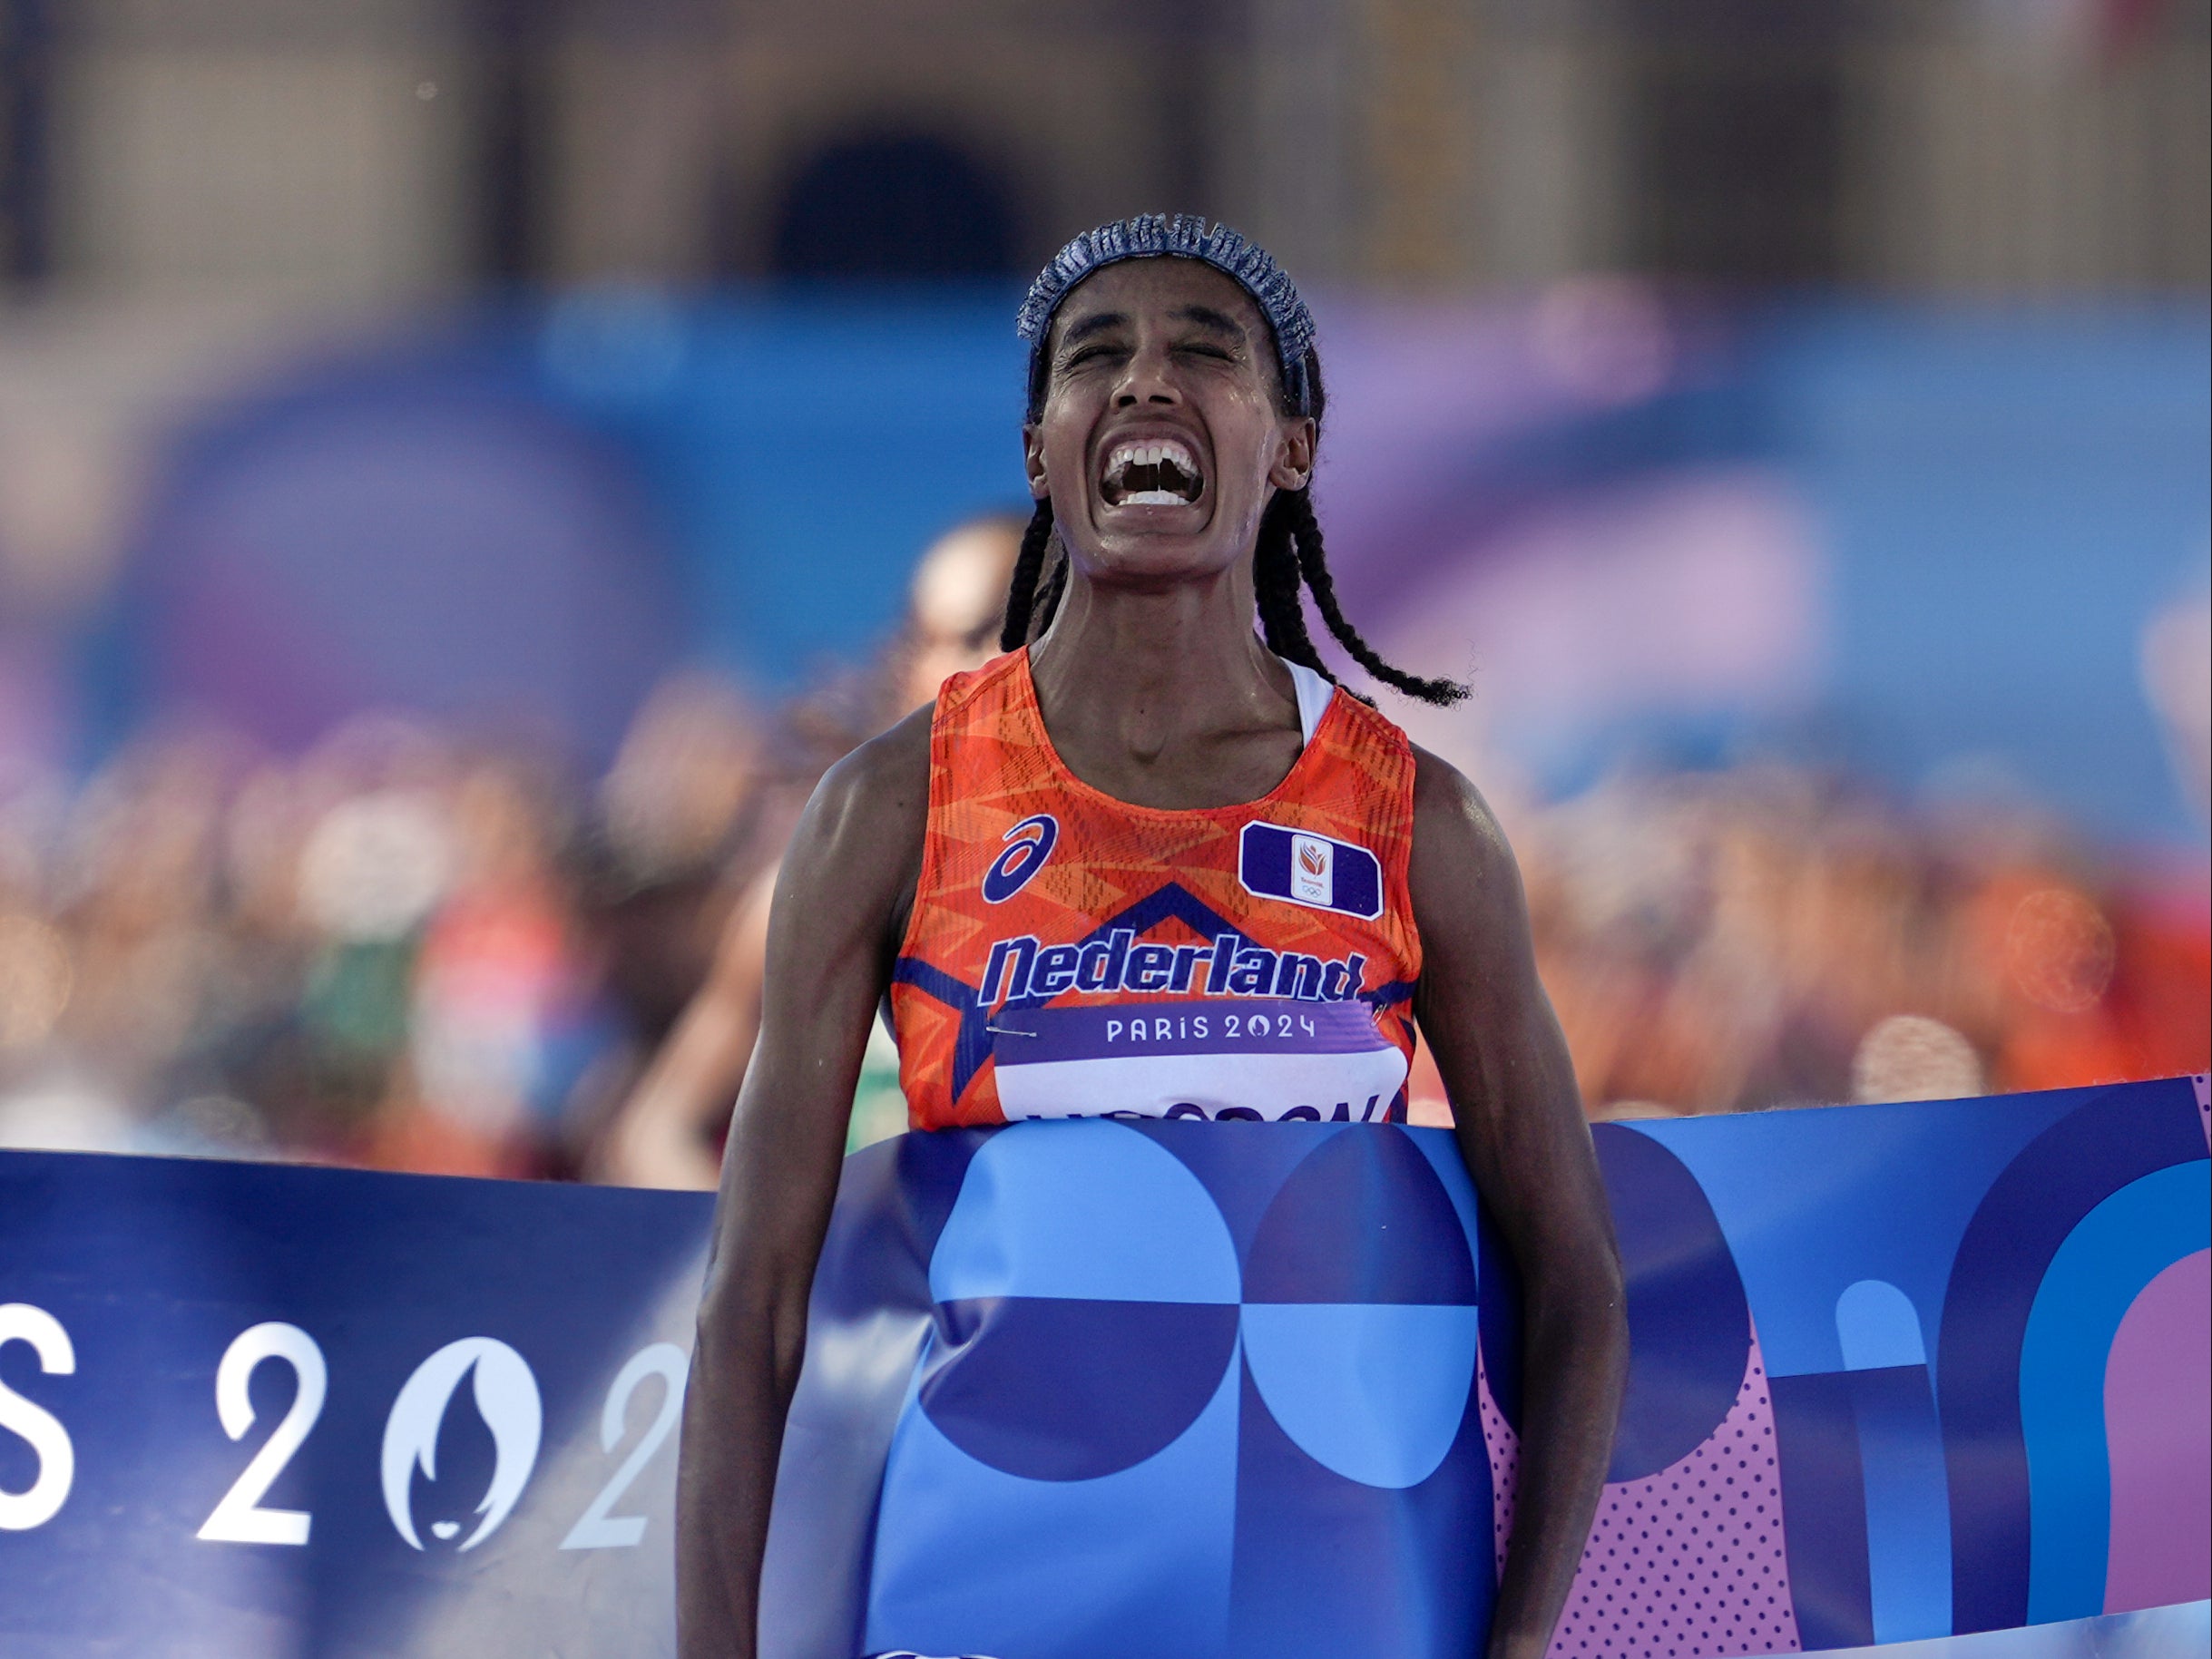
<point>1073,955</point>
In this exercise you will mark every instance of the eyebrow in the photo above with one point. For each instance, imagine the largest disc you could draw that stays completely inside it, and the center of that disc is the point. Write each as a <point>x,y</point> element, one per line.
<point>1205,317</point>
<point>1217,322</point>
<point>1099,322</point>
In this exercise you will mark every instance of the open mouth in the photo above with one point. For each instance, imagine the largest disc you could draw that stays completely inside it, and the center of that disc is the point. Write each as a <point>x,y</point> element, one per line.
<point>1151,473</point>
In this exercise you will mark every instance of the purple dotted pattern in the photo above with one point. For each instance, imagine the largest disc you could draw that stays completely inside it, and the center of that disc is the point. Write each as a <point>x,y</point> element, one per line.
<point>1504,1459</point>
<point>1683,1564</point>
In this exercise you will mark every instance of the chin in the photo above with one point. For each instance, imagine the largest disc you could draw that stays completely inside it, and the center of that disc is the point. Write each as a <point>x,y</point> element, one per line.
<point>1158,562</point>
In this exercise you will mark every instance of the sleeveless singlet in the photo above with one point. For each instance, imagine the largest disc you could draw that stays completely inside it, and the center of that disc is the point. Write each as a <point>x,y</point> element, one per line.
<point>1073,955</point>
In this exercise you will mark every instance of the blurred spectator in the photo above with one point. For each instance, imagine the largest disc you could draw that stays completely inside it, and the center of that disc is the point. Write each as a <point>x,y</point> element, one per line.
<point>668,1134</point>
<point>2177,663</point>
<point>1764,937</point>
<point>683,780</point>
<point>1908,1057</point>
<point>499,1012</point>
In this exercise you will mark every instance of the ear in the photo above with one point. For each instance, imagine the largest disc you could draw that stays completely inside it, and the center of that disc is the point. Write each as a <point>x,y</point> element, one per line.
<point>1033,461</point>
<point>1294,453</point>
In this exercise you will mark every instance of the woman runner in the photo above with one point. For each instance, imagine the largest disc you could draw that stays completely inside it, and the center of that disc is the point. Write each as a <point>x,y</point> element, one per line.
<point>1146,810</point>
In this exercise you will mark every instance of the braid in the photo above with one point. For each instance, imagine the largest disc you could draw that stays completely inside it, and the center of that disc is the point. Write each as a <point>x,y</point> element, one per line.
<point>1313,565</point>
<point>1022,593</point>
<point>1274,585</point>
<point>1048,593</point>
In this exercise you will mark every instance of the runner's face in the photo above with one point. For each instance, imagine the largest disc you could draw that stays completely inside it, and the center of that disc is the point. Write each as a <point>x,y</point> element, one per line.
<point>1161,442</point>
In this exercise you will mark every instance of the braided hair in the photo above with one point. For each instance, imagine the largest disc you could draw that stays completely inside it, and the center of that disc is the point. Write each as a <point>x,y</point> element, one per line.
<point>1021,593</point>
<point>1287,561</point>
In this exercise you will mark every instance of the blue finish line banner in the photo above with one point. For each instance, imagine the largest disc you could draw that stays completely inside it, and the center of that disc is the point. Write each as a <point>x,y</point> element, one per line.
<point>1097,1389</point>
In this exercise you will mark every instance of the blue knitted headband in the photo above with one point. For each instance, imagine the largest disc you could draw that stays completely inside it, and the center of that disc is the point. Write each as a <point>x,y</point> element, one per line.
<point>1153,235</point>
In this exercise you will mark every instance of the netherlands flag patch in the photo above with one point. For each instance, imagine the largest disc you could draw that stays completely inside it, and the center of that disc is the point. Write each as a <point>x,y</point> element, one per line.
<point>1304,868</point>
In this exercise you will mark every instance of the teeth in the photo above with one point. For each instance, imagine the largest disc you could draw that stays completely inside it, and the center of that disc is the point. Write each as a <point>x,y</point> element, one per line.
<point>1152,453</point>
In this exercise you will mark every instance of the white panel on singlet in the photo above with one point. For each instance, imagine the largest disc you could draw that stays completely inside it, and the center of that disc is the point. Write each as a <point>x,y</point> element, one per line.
<point>1314,693</point>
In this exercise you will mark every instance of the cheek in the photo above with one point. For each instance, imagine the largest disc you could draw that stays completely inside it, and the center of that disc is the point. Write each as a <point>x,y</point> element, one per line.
<point>1063,431</point>
<point>1247,455</point>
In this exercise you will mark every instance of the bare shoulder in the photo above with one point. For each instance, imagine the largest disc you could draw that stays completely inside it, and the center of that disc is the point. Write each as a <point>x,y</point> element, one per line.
<point>1454,830</point>
<point>1468,900</point>
<point>887,774</point>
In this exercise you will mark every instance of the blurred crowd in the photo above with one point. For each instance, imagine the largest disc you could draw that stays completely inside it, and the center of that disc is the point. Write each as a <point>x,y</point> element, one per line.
<point>421,949</point>
<point>425,948</point>
<point>1767,936</point>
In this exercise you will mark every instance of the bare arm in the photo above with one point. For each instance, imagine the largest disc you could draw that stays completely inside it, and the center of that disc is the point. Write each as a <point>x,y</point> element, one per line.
<point>846,883</point>
<point>664,1134</point>
<point>1519,1119</point>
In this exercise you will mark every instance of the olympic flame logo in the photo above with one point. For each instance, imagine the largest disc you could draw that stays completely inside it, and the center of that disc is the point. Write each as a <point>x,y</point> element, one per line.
<point>506,1397</point>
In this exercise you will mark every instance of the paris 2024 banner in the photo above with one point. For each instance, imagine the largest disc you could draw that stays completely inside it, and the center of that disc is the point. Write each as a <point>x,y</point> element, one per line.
<point>1930,1376</point>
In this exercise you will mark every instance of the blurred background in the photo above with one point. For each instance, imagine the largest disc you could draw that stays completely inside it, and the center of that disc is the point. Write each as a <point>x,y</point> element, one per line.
<point>464,465</point>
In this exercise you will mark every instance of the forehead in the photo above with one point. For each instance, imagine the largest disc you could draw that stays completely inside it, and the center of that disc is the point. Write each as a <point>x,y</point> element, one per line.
<point>1156,290</point>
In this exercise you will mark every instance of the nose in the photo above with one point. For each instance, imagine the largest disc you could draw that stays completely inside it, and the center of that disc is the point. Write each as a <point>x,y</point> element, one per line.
<point>1147,380</point>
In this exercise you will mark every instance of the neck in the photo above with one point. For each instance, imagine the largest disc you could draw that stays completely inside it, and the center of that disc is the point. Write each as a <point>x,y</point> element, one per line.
<point>1143,673</point>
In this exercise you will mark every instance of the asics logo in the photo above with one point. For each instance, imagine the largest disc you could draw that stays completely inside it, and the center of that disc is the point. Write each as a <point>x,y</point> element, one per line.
<point>1029,843</point>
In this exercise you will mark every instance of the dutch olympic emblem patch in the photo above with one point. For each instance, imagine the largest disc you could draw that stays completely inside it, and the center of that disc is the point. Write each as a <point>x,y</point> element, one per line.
<point>1304,868</point>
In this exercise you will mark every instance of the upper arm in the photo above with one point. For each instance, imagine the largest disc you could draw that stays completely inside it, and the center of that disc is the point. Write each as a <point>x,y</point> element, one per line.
<point>1478,957</point>
<point>842,893</point>
<point>1484,1011</point>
